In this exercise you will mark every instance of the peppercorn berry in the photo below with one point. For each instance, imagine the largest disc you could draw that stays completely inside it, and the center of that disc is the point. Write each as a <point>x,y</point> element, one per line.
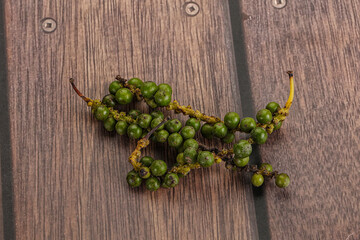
<point>180,159</point>
<point>188,132</point>
<point>241,162</point>
<point>136,82</point>
<point>162,136</point>
<point>134,131</point>
<point>165,87</point>
<point>174,125</point>
<point>144,172</point>
<point>114,87</point>
<point>242,149</point>
<point>133,179</point>
<point>158,168</point>
<point>190,155</point>
<point>124,96</point>
<point>206,159</point>
<point>109,100</point>
<point>207,130</point>
<point>171,179</point>
<point>148,89</point>
<point>259,135</point>
<point>266,166</point>
<point>102,113</point>
<point>175,140</point>
<point>121,127</point>
<point>155,122</point>
<point>228,138</point>
<point>157,114</point>
<point>277,125</point>
<point>247,124</point>
<point>282,180</point>
<point>162,98</point>
<point>232,120</point>
<point>273,107</point>
<point>220,130</point>
<point>193,122</point>
<point>152,184</point>
<point>134,114</point>
<point>264,116</point>
<point>144,120</point>
<point>146,161</point>
<point>257,179</point>
<point>191,143</point>
<point>109,124</point>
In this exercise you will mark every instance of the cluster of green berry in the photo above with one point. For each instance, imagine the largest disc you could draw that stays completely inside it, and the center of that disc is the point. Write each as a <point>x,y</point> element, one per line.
<point>155,127</point>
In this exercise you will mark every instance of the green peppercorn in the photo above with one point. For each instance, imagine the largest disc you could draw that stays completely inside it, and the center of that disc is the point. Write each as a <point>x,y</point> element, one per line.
<point>162,136</point>
<point>109,100</point>
<point>193,122</point>
<point>121,127</point>
<point>247,124</point>
<point>171,179</point>
<point>133,179</point>
<point>109,124</point>
<point>266,166</point>
<point>162,98</point>
<point>229,138</point>
<point>134,114</point>
<point>134,131</point>
<point>155,122</point>
<point>241,162</point>
<point>175,140</point>
<point>188,132</point>
<point>277,125</point>
<point>264,116</point>
<point>173,125</point>
<point>144,120</point>
<point>144,172</point>
<point>259,135</point>
<point>242,149</point>
<point>102,113</point>
<point>191,143</point>
<point>148,89</point>
<point>206,159</point>
<point>152,184</point>
<point>180,159</point>
<point>190,155</point>
<point>165,87</point>
<point>124,96</point>
<point>158,168</point>
<point>207,130</point>
<point>146,161</point>
<point>282,180</point>
<point>220,130</point>
<point>156,114</point>
<point>273,107</point>
<point>257,179</point>
<point>136,82</point>
<point>232,120</point>
<point>114,87</point>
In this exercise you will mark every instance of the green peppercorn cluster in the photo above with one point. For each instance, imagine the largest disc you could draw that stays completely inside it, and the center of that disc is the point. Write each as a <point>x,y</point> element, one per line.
<point>191,153</point>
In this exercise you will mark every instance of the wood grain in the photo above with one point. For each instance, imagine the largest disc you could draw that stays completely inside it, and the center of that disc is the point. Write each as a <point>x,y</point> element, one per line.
<point>319,144</point>
<point>69,174</point>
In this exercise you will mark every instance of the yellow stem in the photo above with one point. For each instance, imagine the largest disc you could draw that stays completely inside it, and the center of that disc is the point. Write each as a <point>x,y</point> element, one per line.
<point>291,95</point>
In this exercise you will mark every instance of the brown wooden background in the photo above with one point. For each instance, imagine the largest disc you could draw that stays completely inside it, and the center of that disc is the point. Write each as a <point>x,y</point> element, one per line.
<point>68,174</point>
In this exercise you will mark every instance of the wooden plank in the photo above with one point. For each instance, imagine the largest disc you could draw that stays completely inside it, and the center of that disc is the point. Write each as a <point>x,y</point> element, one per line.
<point>69,174</point>
<point>319,144</point>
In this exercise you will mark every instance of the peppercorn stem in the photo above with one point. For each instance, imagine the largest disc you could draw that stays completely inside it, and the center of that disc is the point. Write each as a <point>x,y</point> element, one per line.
<point>291,95</point>
<point>86,99</point>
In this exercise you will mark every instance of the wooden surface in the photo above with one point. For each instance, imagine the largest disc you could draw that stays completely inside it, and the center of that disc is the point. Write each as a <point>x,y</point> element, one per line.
<point>69,174</point>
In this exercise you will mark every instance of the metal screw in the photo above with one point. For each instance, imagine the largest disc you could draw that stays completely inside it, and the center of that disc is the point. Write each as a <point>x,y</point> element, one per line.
<point>191,8</point>
<point>279,3</point>
<point>48,25</point>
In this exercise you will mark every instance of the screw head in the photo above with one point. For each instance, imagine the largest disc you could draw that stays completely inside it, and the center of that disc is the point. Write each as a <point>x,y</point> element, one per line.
<point>191,9</point>
<point>48,25</point>
<point>279,3</point>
